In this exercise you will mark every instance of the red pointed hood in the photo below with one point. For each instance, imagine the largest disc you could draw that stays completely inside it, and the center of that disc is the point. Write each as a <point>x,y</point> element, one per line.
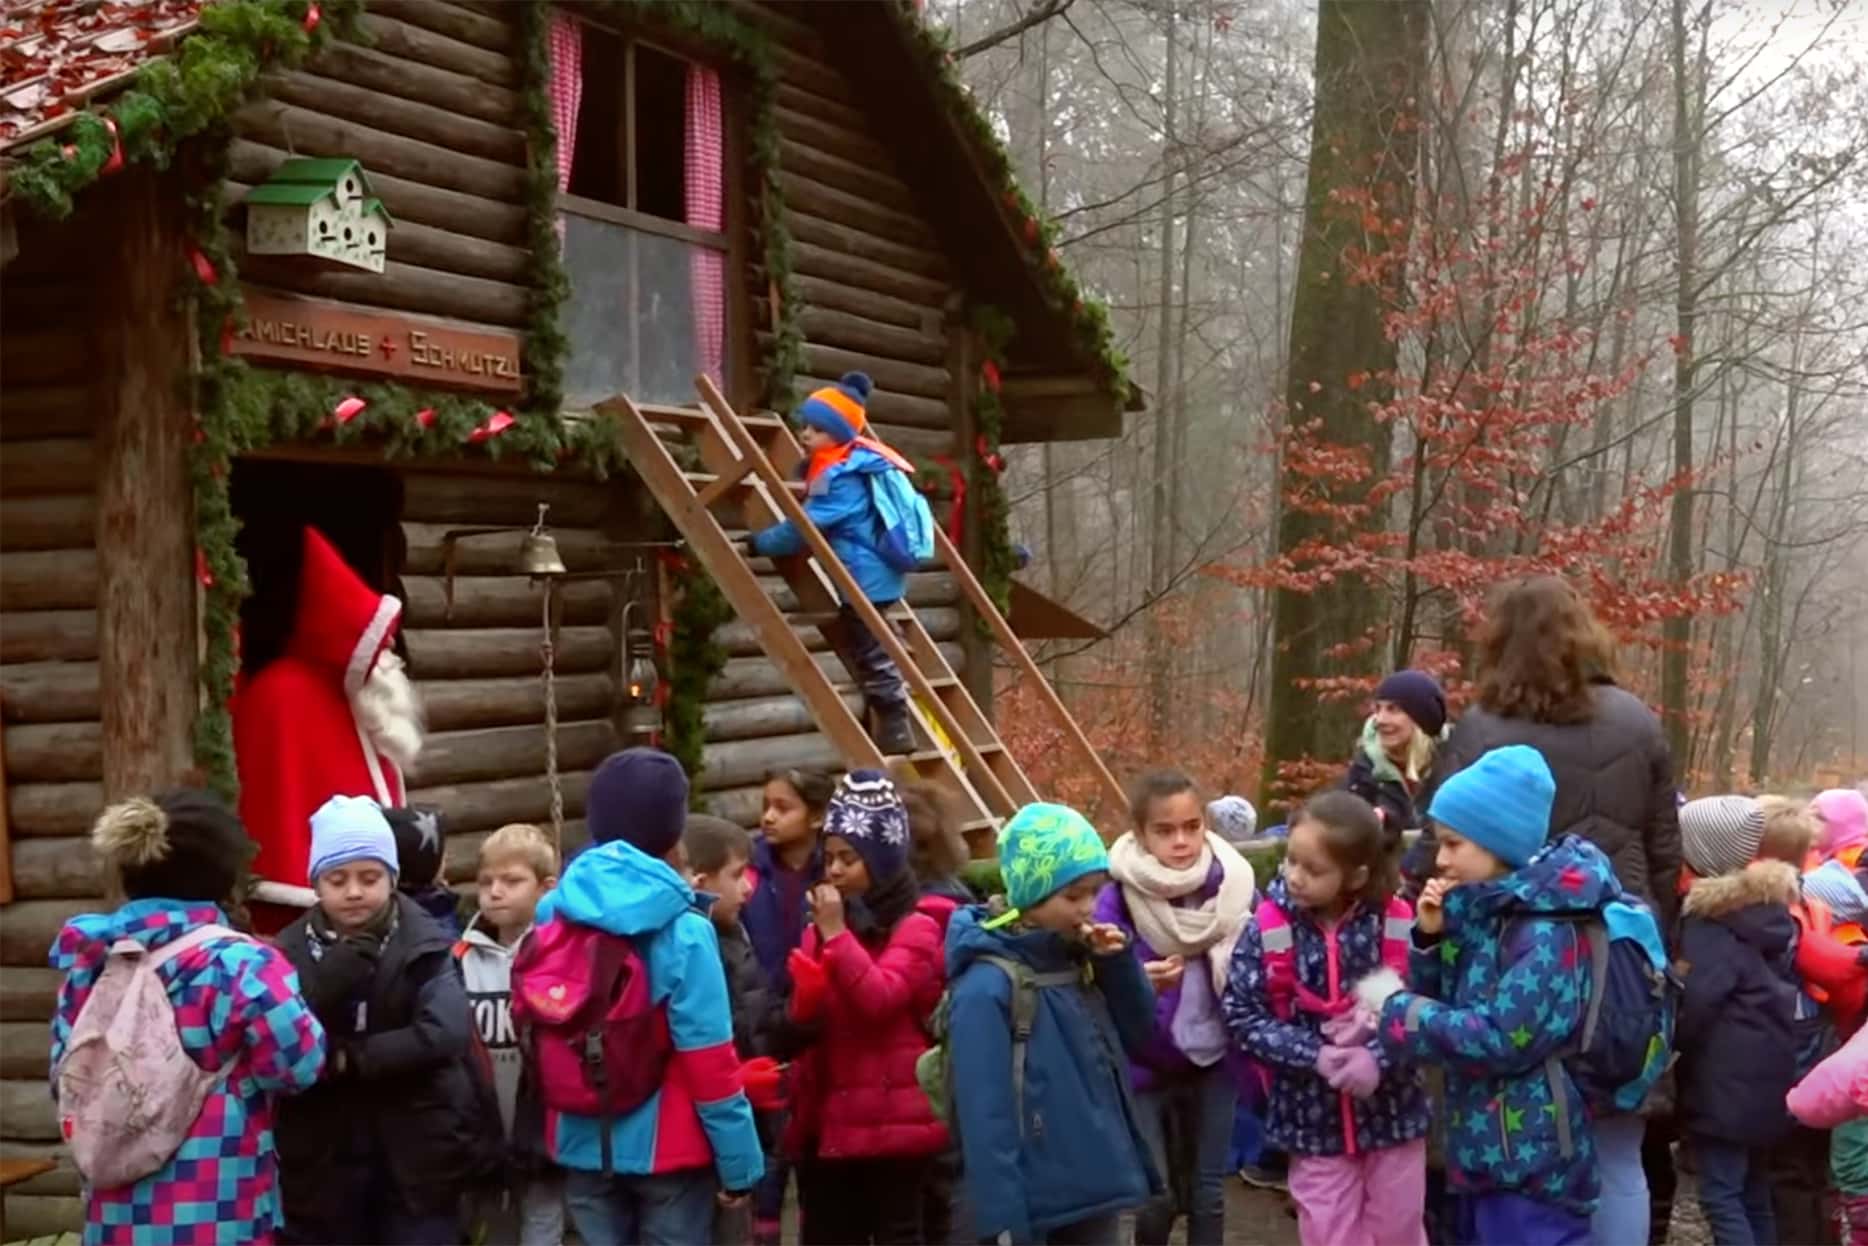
<point>342,623</point>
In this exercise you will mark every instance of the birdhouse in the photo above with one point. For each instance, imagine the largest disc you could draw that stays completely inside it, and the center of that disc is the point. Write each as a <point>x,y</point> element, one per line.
<point>321,209</point>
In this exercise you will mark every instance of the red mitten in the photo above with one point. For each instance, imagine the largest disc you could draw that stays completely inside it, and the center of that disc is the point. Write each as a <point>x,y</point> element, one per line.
<point>810,983</point>
<point>764,1080</point>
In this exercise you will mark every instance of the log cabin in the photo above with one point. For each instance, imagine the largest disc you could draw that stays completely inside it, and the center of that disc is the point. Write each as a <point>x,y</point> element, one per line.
<point>572,202</point>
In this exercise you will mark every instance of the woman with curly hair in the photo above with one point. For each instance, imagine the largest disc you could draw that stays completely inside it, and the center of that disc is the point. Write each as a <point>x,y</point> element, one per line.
<point>1546,679</point>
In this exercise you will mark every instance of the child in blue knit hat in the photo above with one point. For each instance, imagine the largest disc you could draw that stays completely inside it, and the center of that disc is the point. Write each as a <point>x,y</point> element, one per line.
<point>1498,982</point>
<point>384,1146</point>
<point>842,457</point>
<point>1052,1149</point>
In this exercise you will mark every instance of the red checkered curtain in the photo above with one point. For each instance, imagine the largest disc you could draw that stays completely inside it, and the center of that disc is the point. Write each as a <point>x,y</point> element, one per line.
<point>566,43</point>
<point>706,209</point>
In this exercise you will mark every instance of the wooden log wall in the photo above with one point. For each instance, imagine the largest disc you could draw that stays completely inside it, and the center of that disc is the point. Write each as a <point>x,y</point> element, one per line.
<point>872,279</point>
<point>478,664</point>
<point>52,376</point>
<point>432,110</point>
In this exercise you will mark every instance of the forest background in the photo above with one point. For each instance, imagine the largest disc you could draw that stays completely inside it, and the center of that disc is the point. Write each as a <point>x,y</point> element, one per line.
<point>1427,296</point>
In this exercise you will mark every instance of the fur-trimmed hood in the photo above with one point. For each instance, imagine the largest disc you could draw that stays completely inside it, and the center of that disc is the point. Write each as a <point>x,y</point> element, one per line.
<point>1761,882</point>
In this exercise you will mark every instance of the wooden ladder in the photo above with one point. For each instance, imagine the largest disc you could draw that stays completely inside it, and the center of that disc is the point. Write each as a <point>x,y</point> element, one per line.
<point>747,465</point>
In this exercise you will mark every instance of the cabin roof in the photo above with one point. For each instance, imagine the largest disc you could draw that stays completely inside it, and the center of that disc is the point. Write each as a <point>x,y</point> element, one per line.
<point>55,55</point>
<point>1065,380</point>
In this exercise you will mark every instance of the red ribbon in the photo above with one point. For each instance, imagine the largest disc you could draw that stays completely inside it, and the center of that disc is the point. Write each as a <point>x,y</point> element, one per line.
<point>956,518</point>
<point>425,417</point>
<point>496,424</point>
<point>312,18</point>
<point>987,455</point>
<point>116,149</point>
<point>347,410</point>
<point>989,375</point>
<point>204,574</point>
<point>204,267</point>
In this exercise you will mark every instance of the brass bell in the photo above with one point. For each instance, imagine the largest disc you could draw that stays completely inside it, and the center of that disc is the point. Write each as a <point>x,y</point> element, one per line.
<point>538,555</point>
<point>538,552</point>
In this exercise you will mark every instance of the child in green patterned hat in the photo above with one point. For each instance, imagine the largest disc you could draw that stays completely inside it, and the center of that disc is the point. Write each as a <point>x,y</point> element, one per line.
<point>1043,1003</point>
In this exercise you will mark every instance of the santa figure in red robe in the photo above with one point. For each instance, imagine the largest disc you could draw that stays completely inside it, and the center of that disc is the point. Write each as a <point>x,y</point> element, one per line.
<point>334,715</point>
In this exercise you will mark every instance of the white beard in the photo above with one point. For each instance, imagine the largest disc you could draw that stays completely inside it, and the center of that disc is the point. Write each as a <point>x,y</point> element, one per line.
<point>391,711</point>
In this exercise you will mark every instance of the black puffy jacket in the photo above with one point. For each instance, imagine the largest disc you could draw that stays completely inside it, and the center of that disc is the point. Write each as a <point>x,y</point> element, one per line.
<point>1615,788</point>
<point>1737,1030</point>
<point>413,1101</point>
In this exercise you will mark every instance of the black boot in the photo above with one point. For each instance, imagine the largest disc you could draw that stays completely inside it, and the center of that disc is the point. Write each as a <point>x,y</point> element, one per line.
<point>893,733</point>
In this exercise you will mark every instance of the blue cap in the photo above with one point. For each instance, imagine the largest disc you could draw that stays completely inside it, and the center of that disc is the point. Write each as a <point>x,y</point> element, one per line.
<point>1500,802</point>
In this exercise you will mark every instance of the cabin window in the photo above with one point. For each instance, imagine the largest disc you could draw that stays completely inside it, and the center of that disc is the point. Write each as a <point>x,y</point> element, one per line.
<point>643,198</point>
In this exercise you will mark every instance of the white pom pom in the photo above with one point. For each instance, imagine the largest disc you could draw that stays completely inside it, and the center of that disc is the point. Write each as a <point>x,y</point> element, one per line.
<point>1373,991</point>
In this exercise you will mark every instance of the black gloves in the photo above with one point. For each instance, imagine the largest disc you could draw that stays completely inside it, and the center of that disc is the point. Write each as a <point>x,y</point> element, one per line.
<point>345,969</point>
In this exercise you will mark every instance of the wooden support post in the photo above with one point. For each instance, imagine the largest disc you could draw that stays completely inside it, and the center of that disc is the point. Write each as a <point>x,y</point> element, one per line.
<point>145,502</point>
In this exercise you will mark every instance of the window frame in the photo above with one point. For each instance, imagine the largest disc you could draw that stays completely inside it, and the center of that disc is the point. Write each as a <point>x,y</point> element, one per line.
<point>732,242</point>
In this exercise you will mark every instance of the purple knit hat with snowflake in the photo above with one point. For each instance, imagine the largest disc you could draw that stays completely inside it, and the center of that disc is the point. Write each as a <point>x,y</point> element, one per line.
<point>866,812</point>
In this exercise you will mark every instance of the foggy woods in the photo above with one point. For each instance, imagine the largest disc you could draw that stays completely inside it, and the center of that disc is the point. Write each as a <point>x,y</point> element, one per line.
<point>1428,297</point>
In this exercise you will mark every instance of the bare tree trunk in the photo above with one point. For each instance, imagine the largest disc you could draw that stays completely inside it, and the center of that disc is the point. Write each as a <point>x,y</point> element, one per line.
<point>1370,67</point>
<point>1160,536</point>
<point>1678,630</point>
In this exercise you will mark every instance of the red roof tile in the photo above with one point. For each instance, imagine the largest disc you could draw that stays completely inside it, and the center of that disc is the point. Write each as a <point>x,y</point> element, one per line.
<point>56,54</point>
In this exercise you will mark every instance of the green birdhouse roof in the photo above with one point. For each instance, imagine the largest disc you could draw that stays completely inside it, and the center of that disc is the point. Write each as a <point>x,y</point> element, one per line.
<point>303,181</point>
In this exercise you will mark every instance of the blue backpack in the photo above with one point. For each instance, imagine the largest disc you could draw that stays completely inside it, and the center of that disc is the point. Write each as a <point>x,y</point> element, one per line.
<point>905,523</point>
<point>1626,1038</point>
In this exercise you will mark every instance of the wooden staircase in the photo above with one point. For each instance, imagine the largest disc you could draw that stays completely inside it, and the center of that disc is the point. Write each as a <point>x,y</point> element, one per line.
<point>746,482</point>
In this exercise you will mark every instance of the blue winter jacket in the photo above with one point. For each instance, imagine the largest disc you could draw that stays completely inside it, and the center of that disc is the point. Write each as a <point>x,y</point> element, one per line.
<point>621,889</point>
<point>774,928</point>
<point>1502,989</point>
<point>838,502</point>
<point>1078,1152</point>
<point>1305,1116</point>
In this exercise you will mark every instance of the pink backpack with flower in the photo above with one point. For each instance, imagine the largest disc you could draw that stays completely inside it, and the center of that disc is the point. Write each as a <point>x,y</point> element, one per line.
<point>128,1091</point>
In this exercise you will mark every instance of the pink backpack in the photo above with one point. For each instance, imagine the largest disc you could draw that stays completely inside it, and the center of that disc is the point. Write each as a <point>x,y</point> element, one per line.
<point>596,1043</point>
<point>128,1092</point>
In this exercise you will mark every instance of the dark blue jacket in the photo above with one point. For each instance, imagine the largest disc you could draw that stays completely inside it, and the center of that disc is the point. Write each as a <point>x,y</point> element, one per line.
<point>774,931</point>
<point>1500,991</point>
<point>1079,1151</point>
<point>1305,1116</point>
<point>1736,1032</point>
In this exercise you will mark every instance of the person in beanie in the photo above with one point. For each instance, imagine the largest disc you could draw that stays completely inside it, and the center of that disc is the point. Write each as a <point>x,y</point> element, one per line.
<point>692,1145</point>
<point>1737,1027</point>
<point>1233,818</point>
<point>866,977</point>
<point>1498,982</point>
<point>180,859</point>
<point>1059,1153</point>
<point>392,1137</point>
<point>1396,749</point>
<point>421,851</point>
<point>840,457</point>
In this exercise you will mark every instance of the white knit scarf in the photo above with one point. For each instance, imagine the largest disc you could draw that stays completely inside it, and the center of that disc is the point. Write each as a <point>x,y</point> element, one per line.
<point>1209,929</point>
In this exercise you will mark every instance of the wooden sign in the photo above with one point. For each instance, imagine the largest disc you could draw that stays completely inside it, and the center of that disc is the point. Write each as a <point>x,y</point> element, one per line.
<point>338,337</point>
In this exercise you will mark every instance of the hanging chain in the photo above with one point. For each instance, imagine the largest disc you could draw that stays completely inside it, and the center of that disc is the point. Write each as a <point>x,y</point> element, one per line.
<point>547,651</point>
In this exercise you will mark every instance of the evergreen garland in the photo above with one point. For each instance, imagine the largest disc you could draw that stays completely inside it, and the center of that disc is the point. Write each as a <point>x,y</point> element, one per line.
<point>695,658</point>
<point>993,329</point>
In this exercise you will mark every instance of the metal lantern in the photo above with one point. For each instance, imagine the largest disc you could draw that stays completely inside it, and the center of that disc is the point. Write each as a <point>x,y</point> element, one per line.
<point>642,708</point>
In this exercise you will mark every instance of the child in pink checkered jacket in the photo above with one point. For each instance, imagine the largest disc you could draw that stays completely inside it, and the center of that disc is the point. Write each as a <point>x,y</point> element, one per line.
<point>237,1009</point>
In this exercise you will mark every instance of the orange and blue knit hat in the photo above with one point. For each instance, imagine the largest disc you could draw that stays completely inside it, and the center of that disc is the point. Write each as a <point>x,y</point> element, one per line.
<point>838,409</point>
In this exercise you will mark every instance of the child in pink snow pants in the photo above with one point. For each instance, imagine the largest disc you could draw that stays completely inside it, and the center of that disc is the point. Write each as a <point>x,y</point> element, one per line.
<point>1353,1119</point>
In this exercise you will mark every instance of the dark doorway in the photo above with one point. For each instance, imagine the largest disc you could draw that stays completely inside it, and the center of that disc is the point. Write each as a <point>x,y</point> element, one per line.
<point>358,509</point>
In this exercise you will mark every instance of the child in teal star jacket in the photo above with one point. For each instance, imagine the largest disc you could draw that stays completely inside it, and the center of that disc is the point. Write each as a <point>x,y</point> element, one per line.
<point>1498,984</point>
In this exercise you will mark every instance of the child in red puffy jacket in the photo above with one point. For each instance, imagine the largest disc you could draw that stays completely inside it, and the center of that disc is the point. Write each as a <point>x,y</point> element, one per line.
<point>868,974</point>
